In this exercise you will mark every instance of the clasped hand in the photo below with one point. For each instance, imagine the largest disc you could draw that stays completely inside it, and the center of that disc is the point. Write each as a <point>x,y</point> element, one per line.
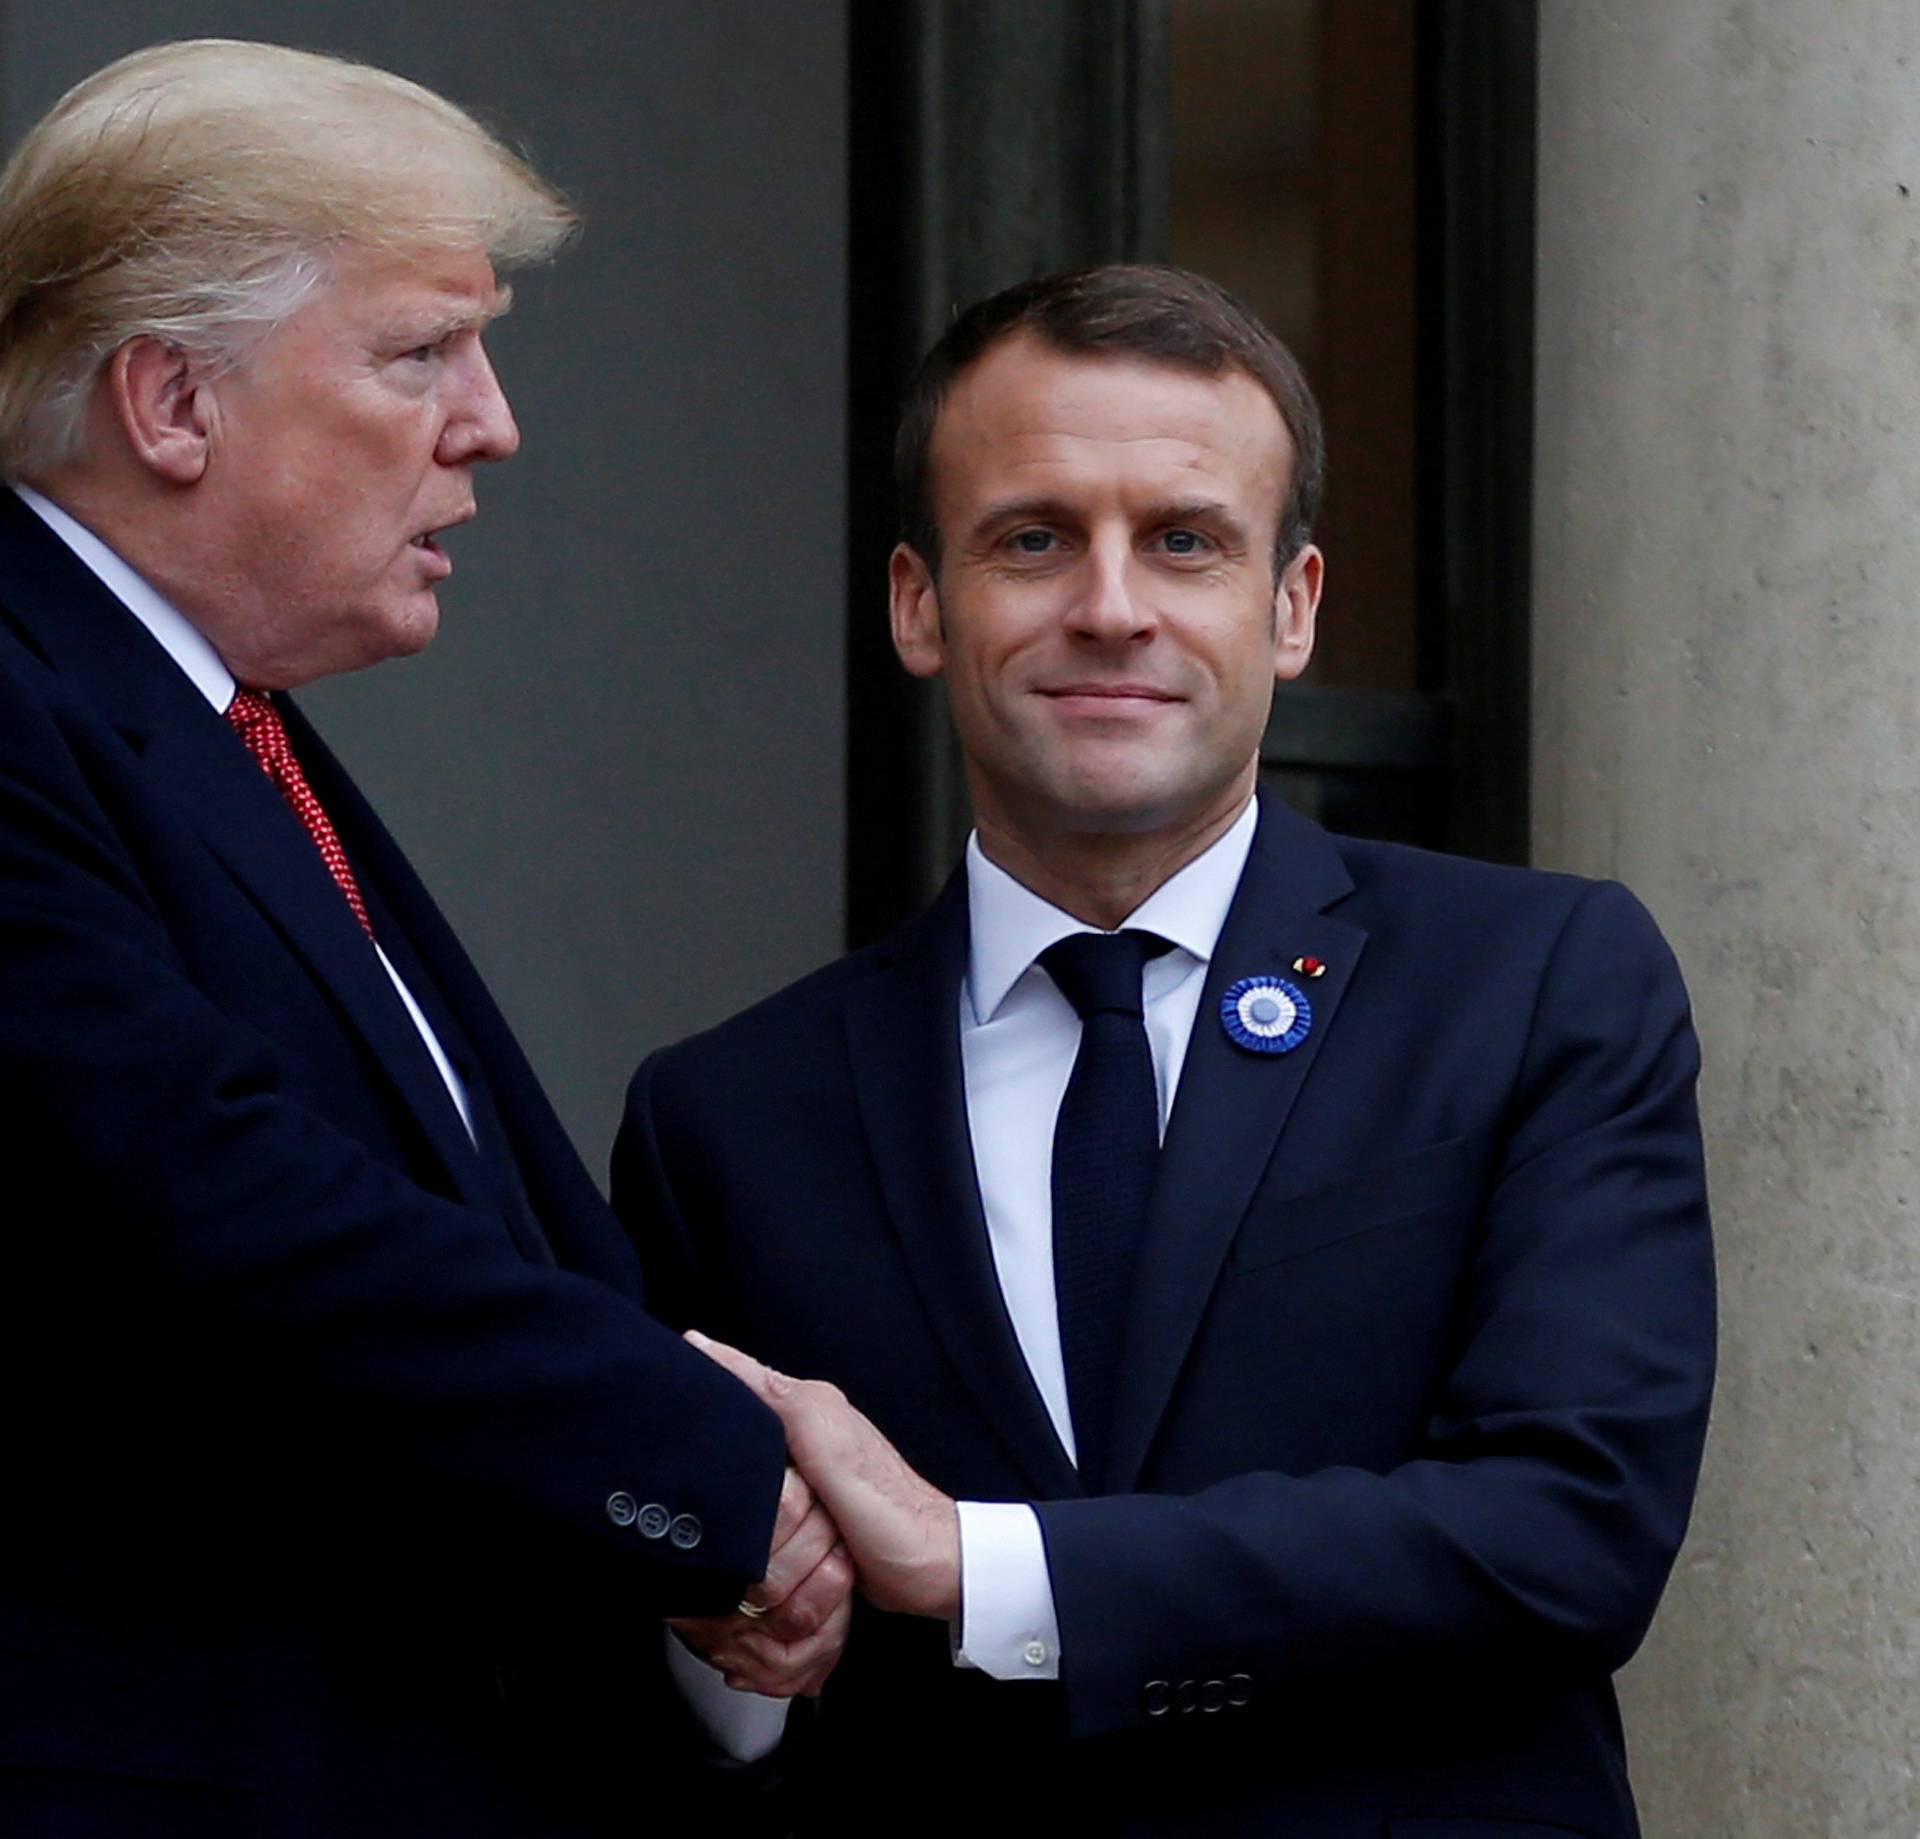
<point>852,1511</point>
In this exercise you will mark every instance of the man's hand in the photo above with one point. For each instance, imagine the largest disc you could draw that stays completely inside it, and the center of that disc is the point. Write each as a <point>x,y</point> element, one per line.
<point>805,1603</point>
<point>902,1532</point>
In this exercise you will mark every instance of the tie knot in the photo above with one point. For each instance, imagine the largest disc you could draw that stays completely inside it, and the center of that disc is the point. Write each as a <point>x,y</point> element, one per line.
<point>258,723</point>
<point>1099,972</point>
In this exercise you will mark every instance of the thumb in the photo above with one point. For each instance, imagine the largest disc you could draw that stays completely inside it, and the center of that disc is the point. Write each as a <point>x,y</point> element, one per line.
<point>762,1381</point>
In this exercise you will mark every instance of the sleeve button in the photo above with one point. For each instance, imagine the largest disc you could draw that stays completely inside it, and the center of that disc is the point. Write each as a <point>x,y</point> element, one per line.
<point>1239,1688</point>
<point>1155,1697</point>
<point>621,1509</point>
<point>654,1521</point>
<point>1186,1695</point>
<point>1213,1695</point>
<point>684,1531</point>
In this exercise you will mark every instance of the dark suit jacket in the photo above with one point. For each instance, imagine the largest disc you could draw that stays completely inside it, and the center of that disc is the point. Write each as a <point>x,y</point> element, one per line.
<point>315,1409</point>
<point>1417,1375</point>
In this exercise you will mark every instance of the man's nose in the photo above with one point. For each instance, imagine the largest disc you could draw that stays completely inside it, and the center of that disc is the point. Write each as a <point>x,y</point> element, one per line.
<point>1111,605</point>
<point>481,426</point>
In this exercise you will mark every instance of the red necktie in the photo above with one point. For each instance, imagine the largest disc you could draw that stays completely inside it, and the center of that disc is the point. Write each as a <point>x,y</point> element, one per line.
<point>258,723</point>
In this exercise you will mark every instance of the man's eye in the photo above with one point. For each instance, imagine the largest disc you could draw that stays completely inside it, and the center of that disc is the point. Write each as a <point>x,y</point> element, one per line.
<point>1183,542</point>
<point>1033,542</point>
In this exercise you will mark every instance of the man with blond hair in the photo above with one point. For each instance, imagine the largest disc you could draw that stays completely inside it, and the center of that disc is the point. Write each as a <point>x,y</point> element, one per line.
<point>341,1446</point>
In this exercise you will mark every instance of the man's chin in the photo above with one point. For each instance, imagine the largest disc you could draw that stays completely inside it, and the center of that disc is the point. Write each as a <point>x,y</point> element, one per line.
<point>1129,808</point>
<point>410,633</point>
<point>1142,801</point>
<point>393,635</point>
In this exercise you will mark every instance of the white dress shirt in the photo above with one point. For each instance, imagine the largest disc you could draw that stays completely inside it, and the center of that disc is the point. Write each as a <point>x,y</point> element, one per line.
<point>1018,1040</point>
<point>187,646</point>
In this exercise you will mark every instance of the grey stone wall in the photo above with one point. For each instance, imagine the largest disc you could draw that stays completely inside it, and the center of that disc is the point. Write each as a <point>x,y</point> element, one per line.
<point>1727,716</point>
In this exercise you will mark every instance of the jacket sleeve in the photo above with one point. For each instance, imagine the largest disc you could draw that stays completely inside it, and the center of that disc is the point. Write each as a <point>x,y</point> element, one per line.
<point>336,1290</point>
<point>1535,1527</point>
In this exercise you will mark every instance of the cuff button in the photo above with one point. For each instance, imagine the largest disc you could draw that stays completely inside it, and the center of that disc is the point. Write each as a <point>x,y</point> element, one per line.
<point>1155,1698</point>
<point>654,1521</point>
<point>621,1509</point>
<point>684,1531</point>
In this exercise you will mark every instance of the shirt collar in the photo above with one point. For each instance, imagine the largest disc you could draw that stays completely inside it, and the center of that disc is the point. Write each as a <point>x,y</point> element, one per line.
<point>1010,925</point>
<point>176,635</point>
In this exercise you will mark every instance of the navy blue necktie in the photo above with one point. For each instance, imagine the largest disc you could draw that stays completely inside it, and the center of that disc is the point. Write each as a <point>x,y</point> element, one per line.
<point>1106,1147</point>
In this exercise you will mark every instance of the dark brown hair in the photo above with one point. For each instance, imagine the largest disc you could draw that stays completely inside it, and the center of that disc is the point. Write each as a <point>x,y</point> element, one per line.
<point>1162,315</point>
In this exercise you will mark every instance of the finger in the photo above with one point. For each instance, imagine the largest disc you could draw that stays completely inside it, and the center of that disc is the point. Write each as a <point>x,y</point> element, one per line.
<point>831,1442</point>
<point>833,1635</point>
<point>779,1676</point>
<point>743,1367</point>
<point>796,1502</point>
<point>702,1633</point>
<point>813,1598</point>
<point>783,1669</point>
<point>795,1559</point>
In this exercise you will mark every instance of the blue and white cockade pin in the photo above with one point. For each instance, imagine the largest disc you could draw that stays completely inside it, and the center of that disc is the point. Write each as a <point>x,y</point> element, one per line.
<point>1266,1015</point>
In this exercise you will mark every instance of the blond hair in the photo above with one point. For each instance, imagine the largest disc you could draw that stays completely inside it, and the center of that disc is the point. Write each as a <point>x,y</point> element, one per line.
<point>197,191</point>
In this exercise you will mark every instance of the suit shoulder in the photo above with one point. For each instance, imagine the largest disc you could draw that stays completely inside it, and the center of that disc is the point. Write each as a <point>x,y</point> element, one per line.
<point>1448,911</point>
<point>1464,885</point>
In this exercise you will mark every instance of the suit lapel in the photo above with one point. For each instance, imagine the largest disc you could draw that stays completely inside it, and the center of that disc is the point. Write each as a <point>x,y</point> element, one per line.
<point>207,773</point>
<point>491,1147</point>
<point>1230,1114</point>
<point>903,1037</point>
<point>547,1197</point>
<point>248,825</point>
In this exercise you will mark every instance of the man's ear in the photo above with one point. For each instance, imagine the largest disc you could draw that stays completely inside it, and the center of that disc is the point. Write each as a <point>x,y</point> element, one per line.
<point>1295,603</point>
<point>163,407</point>
<point>913,609</point>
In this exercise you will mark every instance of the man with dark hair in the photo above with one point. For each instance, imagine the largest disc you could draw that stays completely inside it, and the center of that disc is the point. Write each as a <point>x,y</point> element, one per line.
<point>1252,1286</point>
<point>1159,315</point>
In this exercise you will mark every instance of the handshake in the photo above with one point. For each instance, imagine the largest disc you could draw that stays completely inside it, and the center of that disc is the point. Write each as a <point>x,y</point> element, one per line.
<point>852,1513</point>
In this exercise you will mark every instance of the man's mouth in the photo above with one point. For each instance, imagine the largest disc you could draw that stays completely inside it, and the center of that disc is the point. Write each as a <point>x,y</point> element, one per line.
<point>439,564</point>
<point>429,539</point>
<point>1108,692</point>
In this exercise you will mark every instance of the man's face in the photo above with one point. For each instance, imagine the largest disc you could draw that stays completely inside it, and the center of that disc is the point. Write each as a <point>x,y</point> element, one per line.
<point>338,450</point>
<point>1106,614</point>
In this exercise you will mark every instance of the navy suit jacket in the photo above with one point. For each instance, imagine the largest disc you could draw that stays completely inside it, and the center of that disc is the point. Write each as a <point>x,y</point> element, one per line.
<point>316,1410</point>
<point>1416,1377</point>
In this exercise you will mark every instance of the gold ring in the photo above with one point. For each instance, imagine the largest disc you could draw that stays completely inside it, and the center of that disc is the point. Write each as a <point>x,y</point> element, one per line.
<point>752,1611</point>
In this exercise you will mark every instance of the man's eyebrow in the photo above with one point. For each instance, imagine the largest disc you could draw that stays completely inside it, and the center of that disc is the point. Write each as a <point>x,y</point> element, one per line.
<point>477,319</point>
<point>1023,510</point>
<point>1195,511</point>
<point>428,326</point>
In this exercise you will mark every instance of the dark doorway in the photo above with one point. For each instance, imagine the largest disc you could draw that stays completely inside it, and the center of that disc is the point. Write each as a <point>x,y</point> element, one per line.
<point>1361,172</point>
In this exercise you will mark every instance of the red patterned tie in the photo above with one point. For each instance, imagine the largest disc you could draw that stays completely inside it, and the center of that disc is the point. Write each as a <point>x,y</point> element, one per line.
<point>258,723</point>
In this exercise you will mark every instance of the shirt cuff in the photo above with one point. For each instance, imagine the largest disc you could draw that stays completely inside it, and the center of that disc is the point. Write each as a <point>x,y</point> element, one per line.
<point>1008,1627</point>
<point>745,1725</point>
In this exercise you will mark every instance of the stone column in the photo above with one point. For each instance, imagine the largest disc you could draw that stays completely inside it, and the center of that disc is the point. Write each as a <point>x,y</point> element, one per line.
<point>1727,717</point>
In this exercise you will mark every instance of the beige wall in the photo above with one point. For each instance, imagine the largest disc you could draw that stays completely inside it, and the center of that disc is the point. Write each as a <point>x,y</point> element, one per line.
<point>1727,709</point>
